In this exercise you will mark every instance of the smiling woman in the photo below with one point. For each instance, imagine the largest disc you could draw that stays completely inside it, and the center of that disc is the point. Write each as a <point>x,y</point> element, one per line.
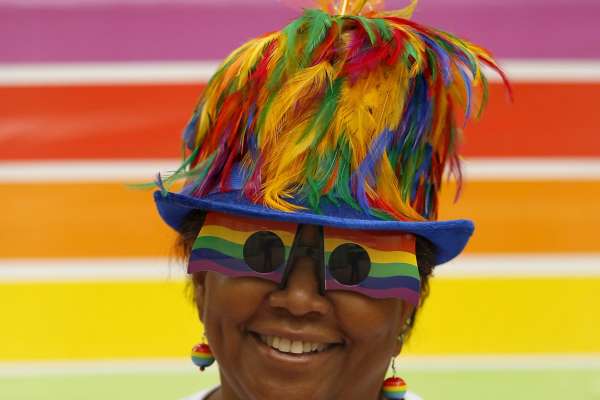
<point>308,218</point>
<point>291,333</point>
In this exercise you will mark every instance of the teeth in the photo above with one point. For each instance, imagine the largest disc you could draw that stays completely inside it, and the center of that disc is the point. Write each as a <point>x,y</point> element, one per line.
<point>292,346</point>
<point>284,345</point>
<point>297,347</point>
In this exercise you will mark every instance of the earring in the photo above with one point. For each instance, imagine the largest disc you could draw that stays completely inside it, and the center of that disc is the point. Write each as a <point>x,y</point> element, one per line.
<point>394,388</point>
<point>202,357</point>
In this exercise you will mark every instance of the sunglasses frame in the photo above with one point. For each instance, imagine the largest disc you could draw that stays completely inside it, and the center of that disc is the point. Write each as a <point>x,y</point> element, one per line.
<point>379,283</point>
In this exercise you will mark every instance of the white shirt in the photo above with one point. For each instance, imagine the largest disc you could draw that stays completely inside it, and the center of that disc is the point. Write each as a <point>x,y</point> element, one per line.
<point>205,393</point>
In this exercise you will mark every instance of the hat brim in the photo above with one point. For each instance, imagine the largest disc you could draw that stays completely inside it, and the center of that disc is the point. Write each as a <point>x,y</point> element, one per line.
<point>448,237</point>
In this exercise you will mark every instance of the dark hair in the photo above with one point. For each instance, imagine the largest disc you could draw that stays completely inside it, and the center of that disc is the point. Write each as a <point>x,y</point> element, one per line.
<point>424,249</point>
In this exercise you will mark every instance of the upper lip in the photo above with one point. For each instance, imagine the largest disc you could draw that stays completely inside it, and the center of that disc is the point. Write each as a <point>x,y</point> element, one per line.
<point>298,335</point>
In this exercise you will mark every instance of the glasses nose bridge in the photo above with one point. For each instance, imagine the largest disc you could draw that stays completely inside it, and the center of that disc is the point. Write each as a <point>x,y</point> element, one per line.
<point>308,242</point>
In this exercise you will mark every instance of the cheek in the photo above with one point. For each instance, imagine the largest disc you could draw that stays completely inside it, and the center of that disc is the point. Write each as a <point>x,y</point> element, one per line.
<point>228,305</point>
<point>372,325</point>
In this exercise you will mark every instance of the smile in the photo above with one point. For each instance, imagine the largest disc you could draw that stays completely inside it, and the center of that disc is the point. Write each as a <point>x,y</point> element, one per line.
<point>285,345</point>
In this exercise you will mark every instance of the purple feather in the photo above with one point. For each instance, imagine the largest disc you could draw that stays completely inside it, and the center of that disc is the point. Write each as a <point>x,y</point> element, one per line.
<point>366,170</point>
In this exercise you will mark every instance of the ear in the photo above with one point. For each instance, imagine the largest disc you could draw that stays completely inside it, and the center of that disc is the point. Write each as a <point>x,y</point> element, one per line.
<point>406,314</point>
<point>199,282</point>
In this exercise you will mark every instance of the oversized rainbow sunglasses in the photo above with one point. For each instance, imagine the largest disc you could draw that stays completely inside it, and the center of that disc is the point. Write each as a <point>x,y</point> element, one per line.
<point>378,264</point>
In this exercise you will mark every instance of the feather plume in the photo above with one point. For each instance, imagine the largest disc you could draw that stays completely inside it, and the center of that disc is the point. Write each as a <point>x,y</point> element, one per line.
<point>349,102</point>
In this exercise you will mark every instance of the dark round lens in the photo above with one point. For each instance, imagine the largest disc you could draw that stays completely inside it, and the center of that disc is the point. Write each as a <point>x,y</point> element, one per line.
<point>264,252</point>
<point>349,264</point>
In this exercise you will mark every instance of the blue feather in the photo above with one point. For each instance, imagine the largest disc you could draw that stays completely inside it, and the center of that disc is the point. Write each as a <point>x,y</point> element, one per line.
<point>366,170</point>
<point>443,58</point>
<point>189,133</point>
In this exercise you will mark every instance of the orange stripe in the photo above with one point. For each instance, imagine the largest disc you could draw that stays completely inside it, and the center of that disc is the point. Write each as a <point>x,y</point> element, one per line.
<point>145,121</point>
<point>83,220</point>
<point>109,220</point>
<point>529,216</point>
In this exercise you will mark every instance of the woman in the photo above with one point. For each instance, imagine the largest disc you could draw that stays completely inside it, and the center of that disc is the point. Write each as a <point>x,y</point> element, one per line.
<point>308,216</point>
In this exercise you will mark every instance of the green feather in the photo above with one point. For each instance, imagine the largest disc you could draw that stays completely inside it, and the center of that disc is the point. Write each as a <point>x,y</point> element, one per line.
<point>341,187</point>
<point>366,24</point>
<point>326,113</point>
<point>291,32</point>
<point>383,28</point>
<point>319,24</point>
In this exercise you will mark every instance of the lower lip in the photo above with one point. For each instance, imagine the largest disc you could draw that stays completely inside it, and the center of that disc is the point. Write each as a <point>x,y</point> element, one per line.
<point>294,359</point>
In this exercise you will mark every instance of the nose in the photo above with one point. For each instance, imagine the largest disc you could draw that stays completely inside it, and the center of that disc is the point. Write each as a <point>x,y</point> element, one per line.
<point>301,295</point>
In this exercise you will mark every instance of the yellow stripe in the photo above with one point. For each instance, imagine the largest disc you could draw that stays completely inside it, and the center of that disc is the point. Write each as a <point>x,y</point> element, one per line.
<point>154,319</point>
<point>96,320</point>
<point>240,237</point>
<point>533,315</point>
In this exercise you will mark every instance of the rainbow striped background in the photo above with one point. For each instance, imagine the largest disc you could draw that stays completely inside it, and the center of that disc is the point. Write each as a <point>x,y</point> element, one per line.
<point>94,93</point>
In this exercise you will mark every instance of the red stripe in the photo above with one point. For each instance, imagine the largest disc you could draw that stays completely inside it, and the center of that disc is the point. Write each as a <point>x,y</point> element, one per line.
<point>248,224</point>
<point>545,120</point>
<point>377,240</point>
<point>97,122</point>
<point>145,121</point>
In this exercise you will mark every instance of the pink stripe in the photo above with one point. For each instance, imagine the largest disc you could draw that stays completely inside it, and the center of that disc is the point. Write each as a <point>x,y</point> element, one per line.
<point>401,293</point>
<point>127,32</point>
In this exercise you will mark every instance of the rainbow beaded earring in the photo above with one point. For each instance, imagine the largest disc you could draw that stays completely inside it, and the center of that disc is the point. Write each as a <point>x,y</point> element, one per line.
<point>394,388</point>
<point>202,356</point>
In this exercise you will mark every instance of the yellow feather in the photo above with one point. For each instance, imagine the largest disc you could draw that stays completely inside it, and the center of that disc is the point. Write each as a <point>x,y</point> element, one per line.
<point>252,56</point>
<point>300,88</point>
<point>283,175</point>
<point>406,12</point>
<point>389,191</point>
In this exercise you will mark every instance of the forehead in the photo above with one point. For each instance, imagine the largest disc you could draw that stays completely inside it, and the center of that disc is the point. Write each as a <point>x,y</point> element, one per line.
<point>382,240</point>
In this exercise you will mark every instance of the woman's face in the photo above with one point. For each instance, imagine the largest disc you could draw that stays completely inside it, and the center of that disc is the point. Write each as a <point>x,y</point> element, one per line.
<point>295,343</point>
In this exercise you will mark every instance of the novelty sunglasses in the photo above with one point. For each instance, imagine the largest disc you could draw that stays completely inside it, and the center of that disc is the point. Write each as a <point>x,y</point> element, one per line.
<point>377,264</point>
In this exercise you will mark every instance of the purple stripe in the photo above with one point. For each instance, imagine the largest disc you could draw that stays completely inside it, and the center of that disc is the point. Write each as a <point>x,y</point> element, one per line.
<point>171,31</point>
<point>391,282</point>
<point>401,293</point>
<point>202,254</point>
<point>209,265</point>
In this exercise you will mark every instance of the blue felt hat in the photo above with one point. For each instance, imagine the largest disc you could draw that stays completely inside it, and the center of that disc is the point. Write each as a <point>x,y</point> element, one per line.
<point>339,120</point>
<point>448,237</point>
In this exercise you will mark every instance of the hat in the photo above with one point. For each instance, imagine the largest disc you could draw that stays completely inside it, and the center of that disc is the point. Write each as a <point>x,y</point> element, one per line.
<point>348,117</point>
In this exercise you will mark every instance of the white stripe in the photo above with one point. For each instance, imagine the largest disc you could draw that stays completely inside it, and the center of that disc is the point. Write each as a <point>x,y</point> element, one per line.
<point>550,70</point>
<point>159,269</point>
<point>488,169</point>
<point>523,169</point>
<point>90,270</point>
<point>521,266</point>
<point>518,70</point>
<point>405,363</point>
<point>106,73</point>
<point>85,171</point>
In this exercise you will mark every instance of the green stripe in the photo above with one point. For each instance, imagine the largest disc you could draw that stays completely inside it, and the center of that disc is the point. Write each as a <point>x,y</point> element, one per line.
<point>379,270</point>
<point>221,245</point>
